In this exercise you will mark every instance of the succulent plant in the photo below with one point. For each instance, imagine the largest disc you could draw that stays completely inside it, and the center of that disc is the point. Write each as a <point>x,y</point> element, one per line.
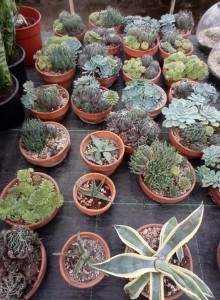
<point>32,199</point>
<point>89,51</point>
<point>94,190</point>
<point>107,37</point>
<point>161,168</point>
<point>133,127</point>
<point>178,66</point>
<point>34,134</point>
<point>101,150</point>
<point>141,67</point>
<point>146,265</point>
<point>210,115</point>
<point>176,43</point>
<point>12,286</point>
<point>68,24</point>
<point>58,54</point>
<point>89,97</point>
<point>141,93</point>
<point>141,38</point>
<point>138,21</point>
<point>44,99</point>
<point>184,20</point>
<point>214,139</point>
<point>109,17</point>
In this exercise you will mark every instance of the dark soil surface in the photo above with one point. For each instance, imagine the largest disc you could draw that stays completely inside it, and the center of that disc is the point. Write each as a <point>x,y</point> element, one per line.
<point>51,9</point>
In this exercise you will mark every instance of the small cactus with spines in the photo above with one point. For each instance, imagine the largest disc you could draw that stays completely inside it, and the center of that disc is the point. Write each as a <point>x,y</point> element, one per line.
<point>184,20</point>
<point>109,17</point>
<point>194,136</point>
<point>68,24</point>
<point>141,38</point>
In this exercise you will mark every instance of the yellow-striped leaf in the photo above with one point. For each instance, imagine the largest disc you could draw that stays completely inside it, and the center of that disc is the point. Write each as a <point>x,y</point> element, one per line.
<point>127,265</point>
<point>136,286</point>
<point>134,240</point>
<point>156,286</point>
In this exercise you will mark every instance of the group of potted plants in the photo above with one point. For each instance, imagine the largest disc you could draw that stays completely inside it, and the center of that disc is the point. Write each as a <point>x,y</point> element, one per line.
<point>33,199</point>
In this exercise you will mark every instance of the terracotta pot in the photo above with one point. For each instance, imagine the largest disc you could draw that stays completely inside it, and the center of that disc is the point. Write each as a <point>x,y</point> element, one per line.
<point>64,79</point>
<point>171,90</point>
<point>186,252</point>
<point>118,29</point>
<point>29,37</point>
<point>139,53</point>
<point>163,54</point>
<point>51,161</point>
<point>218,256</point>
<point>215,194</point>
<point>127,78</point>
<point>91,176</point>
<point>181,148</point>
<point>56,115</point>
<point>38,224</point>
<point>64,273</point>
<point>162,199</point>
<point>79,36</point>
<point>107,82</point>
<point>104,169</point>
<point>129,150</point>
<point>113,50</point>
<point>40,275</point>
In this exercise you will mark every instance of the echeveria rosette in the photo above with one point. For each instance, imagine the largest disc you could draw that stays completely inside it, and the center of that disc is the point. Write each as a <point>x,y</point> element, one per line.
<point>180,113</point>
<point>210,115</point>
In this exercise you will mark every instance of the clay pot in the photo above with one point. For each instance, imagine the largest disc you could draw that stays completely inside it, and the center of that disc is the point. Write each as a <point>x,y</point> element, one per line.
<point>50,161</point>
<point>107,82</point>
<point>38,224</point>
<point>187,152</point>
<point>218,256</point>
<point>113,50</point>
<point>118,29</point>
<point>56,115</point>
<point>91,176</point>
<point>162,199</point>
<point>64,273</point>
<point>139,53</point>
<point>104,169</point>
<point>163,54</point>
<point>64,79</point>
<point>129,150</point>
<point>29,38</point>
<point>79,36</point>
<point>127,78</point>
<point>90,118</point>
<point>186,252</point>
<point>215,194</point>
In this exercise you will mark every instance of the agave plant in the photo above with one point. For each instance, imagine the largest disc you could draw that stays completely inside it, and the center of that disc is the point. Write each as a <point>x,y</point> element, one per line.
<point>149,266</point>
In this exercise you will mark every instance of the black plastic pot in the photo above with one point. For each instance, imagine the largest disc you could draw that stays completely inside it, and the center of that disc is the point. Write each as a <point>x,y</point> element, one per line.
<point>11,110</point>
<point>18,68</point>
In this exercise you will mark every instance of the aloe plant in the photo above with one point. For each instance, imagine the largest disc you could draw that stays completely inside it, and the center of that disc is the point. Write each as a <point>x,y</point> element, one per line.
<point>149,266</point>
<point>94,190</point>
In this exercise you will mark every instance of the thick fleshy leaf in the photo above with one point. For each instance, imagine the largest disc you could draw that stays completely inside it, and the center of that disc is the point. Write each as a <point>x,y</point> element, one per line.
<point>136,286</point>
<point>205,289</point>
<point>156,286</point>
<point>183,281</point>
<point>134,240</point>
<point>127,265</point>
<point>181,234</point>
<point>165,231</point>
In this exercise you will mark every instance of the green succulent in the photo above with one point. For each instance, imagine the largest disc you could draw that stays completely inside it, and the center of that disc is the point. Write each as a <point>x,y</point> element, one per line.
<point>94,190</point>
<point>184,20</point>
<point>109,17</point>
<point>68,24</point>
<point>141,37</point>
<point>177,44</point>
<point>31,200</point>
<point>145,265</point>
<point>107,37</point>
<point>141,22</point>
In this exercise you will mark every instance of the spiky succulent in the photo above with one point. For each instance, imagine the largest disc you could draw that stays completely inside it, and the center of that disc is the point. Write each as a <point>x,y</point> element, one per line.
<point>94,190</point>
<point>184,20</point>
<point>70,24</point>
<point>109,17</point>
<point>141,93</point>
<point>107,37</point>
<point>141,38</point>
<point>133,126</point>
<point>89,51</point>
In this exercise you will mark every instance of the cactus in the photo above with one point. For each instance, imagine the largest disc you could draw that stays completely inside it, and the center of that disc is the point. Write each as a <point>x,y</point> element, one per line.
<point>12,286</point>
<point>141,93</point>
<point>184,20</point>
<point>194,136</point>
<point>142,38</point>
<point>110,17</point>
<point>182,89</point>
<point>101,151</point>
<point>156,163</point>
<point>214,139</point>
<point>68,24</point>
<point>133,126</point>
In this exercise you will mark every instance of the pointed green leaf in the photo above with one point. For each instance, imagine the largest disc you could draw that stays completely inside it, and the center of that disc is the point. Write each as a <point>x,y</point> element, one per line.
<point>80,244</point>
<point>134,240</point>
<point>136,286</point>
<point>127,265</point>
<point>97,141</point>
<point>156,286</point>
<point>107,156</point>
<point>181,234</point>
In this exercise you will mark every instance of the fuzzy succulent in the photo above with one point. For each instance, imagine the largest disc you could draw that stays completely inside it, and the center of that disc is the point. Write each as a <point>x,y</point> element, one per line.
<point>141,38</point>
<point>101,150</point>
<point>178,66</point>
<point>133,127</point>
<point>89,97</point>
<point>161,168</point>
<point>44,99</point>
<point>109,17</point>
<point>58,54</point>
<point>34,134</point>
<point>68,24</point>
<point>141,93</point>
<point>141,67</point>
